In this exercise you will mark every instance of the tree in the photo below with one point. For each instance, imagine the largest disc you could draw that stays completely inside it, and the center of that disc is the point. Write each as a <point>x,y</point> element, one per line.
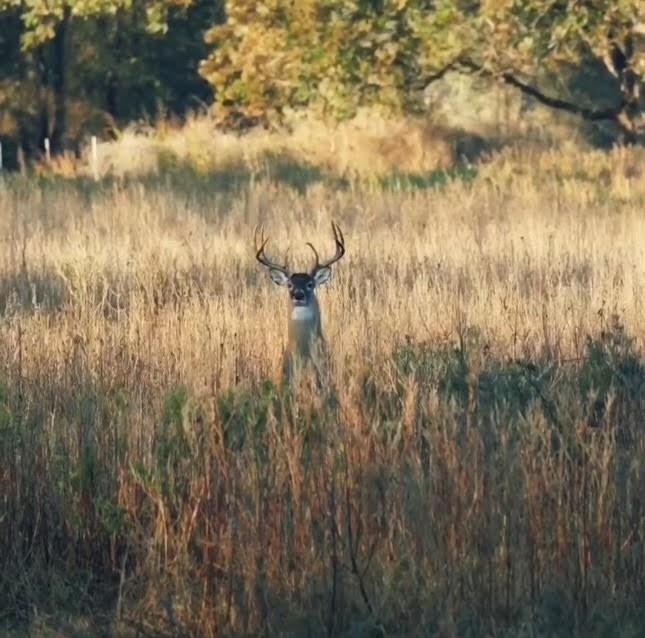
<point>331,54</point>
<point>337,54</point>
<point>522,41</point>
<point>66,50</point>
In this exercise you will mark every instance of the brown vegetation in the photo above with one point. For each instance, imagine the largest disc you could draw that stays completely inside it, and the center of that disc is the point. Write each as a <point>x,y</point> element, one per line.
<point>479,472</point>
<point>371,144</point>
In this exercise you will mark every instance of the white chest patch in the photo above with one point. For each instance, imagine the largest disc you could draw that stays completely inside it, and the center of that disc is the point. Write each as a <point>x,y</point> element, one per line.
<point>302,313</point>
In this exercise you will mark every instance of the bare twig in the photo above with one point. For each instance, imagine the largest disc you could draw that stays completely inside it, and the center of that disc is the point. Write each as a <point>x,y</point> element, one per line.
<point>353,545</point>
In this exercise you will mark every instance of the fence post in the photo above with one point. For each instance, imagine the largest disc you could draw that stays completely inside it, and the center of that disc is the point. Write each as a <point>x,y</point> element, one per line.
<point>95,159</point>
<point>47,150</point>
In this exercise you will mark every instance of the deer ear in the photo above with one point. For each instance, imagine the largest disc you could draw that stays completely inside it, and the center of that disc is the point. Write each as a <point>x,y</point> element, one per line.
<point>278,277</point>
<point>322,276</point>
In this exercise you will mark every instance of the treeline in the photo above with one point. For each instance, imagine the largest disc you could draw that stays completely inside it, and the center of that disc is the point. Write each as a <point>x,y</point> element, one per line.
<point>587,58</point>
<point>68,67</point>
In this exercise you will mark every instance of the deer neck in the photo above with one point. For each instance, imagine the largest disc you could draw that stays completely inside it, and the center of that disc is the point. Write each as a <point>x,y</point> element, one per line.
<point>304,327</point>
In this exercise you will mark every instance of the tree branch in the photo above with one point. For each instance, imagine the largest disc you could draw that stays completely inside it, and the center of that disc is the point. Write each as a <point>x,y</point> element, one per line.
<point>353,542</point>
<point>421,82</point>
<point>442,71</point>
<point>593,115</point>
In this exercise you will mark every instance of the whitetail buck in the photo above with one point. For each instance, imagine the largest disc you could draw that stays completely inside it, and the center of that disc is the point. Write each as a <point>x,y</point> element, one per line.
<point>305,328</point>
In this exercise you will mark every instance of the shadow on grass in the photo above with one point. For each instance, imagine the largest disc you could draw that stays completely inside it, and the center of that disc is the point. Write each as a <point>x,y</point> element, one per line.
<point>184,178</point>
<point>423,181</point>
<point>102,499</point>
<point>607,383</point>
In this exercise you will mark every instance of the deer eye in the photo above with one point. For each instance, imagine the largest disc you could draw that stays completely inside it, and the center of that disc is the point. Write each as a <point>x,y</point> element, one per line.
<point>310,285</point>
<point>290,286</point>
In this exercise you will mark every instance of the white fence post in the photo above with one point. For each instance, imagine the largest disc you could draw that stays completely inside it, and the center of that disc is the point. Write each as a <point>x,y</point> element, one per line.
<point>47,150</point>
<point>95,159</point>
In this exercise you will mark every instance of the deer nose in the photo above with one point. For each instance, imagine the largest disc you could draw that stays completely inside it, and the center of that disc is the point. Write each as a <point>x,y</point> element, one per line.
<point>298,295</point>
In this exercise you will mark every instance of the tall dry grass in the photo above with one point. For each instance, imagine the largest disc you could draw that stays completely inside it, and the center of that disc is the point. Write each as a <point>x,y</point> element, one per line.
<point>370,144</point>
<point>476,468</point>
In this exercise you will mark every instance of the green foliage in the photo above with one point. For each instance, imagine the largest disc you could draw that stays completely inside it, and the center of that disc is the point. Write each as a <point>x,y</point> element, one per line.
<point>176,443</point>
<point>538,32</point>
<point>532,38</point>
<point>612,377</point>
<point>245,414</point>
<point>73,67</point>
<point>249,417</point>
<point>609,381</point>
<point>70,67</point>
<point>333,55</point>
<point>337,55</point>
<point>170,512</point>
<point>5,410</point>
<point>466,378</point>
<point>430,180</point>
<point>42,18</point>
<point>113,518</point>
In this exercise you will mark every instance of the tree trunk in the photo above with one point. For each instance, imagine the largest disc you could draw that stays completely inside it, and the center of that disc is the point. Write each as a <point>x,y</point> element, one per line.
<point>624,115</point>
<point>112,95</point>
<point>619,62</point>
<point>631,117</point>
<point>59,83</point>
<point>113,81</point>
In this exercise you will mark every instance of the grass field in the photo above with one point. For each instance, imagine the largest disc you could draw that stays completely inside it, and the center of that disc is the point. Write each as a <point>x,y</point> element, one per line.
<point>476,467</point>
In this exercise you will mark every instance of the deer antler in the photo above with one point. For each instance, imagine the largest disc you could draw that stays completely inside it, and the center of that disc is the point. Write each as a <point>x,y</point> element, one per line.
<point>260,255</point>
<point>340,250</point>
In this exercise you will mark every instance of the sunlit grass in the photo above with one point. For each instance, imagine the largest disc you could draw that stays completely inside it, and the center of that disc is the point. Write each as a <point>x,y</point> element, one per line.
<point>478,469</point>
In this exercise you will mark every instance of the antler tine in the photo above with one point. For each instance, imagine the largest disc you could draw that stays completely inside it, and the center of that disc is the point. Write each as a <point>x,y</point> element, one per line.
<point>316,255</point>
<point>339,239</point>
<point>255,236</point>
<point>338,234</point>
<point>259,248</point>
<point>260,255</point>
<point>340,248</point>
